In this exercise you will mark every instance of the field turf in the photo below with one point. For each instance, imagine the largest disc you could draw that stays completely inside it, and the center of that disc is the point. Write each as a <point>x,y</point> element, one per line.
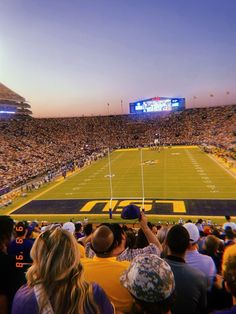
<point>172,173</point>
<point>178,181</point>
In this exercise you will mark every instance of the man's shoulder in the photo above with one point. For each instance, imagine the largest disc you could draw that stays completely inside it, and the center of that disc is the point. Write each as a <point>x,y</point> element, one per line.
<point>229,311</point>
<point>198,257</point>
<point>129,254</point>
<point>229,224</point>
<point>186,270</point>
<point>25,301</point>
<point>195,273</point>
<point>25,292</point>
<point>205,258</point>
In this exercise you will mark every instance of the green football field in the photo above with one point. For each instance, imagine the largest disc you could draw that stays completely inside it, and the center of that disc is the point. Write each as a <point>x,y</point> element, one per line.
<point>172,173</point>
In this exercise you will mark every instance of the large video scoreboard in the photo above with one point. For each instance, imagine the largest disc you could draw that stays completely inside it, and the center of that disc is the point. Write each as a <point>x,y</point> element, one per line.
<point>157,104</point>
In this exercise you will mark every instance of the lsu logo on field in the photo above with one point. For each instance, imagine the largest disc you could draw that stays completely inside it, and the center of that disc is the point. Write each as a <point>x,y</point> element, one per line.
<point>151,206</point>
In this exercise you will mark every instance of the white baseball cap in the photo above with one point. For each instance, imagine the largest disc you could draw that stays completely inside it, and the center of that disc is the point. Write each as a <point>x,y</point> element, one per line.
<point>193,232</point>
<point>69,226</point>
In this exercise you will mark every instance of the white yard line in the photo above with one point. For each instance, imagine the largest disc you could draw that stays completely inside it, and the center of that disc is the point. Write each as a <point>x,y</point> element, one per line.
<point>219,164</point>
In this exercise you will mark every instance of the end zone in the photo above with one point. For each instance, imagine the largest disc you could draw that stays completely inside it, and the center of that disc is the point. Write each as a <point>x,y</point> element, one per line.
<point>156,207</point>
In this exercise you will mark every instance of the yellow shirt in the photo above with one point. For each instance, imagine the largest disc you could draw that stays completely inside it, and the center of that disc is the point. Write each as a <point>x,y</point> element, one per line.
<point>81,250</point>
<point>229,251</point>
<point>106,272</point>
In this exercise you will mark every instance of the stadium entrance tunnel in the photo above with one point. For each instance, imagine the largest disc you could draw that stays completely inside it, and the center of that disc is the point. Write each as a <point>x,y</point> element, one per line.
<point>195,207</point>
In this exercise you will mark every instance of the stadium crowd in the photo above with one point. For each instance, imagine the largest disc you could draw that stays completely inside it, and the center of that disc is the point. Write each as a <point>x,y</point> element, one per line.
<point>110,268</point>
<point>39,147</point>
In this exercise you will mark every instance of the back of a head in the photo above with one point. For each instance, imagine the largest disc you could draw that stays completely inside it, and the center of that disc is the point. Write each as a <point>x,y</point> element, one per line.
<point>118,233</point>
<point>88,229</point>
<point>102,241</point>
<point>141,240</point>
<point>55,257</point>
<point>211,244</point>
<point>56,266</point>
<point>78,226</point>
<point>150,281</point>
<point>162,234</point>
<point>130,239</point>
<point>229,234</point>
<point>193,232</point>
<point>228,218</point>
<point>178,239</point>
<point>230,274</point>
<point>6,229</point>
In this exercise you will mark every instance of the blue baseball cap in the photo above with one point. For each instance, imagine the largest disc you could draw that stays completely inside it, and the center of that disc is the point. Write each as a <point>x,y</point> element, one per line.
<point>130,211</point>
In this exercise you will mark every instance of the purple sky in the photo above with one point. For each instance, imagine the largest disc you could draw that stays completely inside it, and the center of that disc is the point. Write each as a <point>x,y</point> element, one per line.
<point>73,57</point>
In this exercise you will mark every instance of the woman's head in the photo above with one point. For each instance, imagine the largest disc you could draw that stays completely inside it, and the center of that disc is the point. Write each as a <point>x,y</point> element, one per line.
<point>56,266</point>
<point>55,257</point>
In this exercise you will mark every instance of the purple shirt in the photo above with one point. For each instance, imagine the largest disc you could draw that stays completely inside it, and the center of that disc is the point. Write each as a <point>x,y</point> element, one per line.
<point>230,311</point>
<point>202,262</point>
<point>25,301</point>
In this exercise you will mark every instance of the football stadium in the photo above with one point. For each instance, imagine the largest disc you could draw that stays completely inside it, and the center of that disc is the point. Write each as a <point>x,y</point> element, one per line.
<point>117,157</point>
<point>170,162</point>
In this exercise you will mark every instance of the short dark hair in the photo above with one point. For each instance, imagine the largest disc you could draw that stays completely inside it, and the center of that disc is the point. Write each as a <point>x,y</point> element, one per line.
<point>88,229</point>
<point>178,239</point>
<point>141,240</point>
<point>117,231</point>
<point>229,233</point>
<point>78,226</point>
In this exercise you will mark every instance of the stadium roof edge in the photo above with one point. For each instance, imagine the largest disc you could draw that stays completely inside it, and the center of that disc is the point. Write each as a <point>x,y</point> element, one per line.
<point>8,94</point>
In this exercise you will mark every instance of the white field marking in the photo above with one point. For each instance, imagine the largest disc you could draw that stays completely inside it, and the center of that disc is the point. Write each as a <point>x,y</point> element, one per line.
<point>153,198</point>
<point>86,180</point>
<point>206,180</point>
<point>219,164</point>
<point>108,175</point>
<point>211,186</point>
<point>77,188</point>
<point>69,193</point>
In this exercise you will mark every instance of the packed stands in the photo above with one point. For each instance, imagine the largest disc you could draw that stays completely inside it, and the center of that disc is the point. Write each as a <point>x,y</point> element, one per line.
<point>35,147</point>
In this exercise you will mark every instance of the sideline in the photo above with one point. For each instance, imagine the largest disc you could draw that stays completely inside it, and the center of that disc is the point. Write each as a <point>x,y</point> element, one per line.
<point>221,165</point>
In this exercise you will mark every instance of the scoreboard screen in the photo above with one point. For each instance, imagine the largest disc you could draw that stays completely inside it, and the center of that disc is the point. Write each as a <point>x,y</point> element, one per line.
<point>157,104</point>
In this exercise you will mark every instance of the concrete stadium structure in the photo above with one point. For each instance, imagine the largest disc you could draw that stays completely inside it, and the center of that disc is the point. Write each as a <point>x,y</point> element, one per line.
<point>12,105</point>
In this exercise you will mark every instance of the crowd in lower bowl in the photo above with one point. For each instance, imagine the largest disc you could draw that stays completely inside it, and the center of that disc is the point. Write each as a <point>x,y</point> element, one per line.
<point>38,147</point>
<point>112,268</point>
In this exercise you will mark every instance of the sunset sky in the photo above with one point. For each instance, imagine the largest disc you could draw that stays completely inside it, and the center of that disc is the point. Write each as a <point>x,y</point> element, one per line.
<point>72,57</point>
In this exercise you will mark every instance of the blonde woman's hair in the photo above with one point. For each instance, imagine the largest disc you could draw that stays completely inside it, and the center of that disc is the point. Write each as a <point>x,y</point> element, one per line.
<point>57,268</point>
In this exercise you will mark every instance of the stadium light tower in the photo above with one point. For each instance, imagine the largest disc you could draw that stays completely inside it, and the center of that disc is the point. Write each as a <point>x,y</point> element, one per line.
<point>121,105</point>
